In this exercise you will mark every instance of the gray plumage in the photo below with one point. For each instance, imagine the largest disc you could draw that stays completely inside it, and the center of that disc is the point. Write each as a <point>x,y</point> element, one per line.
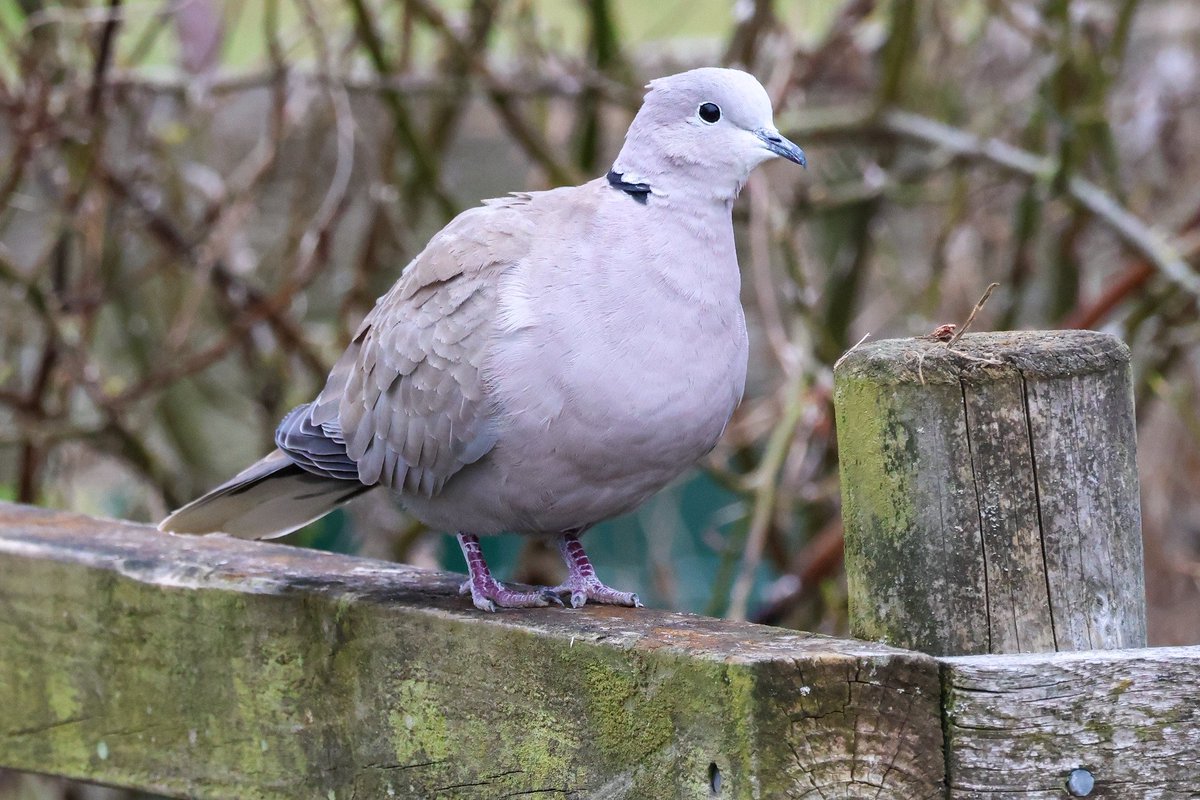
<point>550,359</point>
<point>271,497</point>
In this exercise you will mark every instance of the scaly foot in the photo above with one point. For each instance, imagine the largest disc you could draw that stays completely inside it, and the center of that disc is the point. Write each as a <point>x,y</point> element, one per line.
<point>486,592</point>
<point>582,583</point>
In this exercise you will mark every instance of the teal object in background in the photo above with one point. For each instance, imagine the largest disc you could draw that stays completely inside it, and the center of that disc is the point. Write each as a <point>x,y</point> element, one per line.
<point>333,533</point>
<point>669,551</point>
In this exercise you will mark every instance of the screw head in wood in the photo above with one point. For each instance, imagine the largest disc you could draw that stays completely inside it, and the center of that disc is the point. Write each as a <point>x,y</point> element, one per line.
<point>1080,783</point>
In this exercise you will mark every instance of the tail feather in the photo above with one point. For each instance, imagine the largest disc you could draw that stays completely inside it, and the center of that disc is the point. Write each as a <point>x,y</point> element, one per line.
<point>270,498</point>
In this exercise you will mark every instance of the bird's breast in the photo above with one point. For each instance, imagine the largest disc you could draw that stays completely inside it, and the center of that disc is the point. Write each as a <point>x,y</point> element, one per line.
<point>623,373</point>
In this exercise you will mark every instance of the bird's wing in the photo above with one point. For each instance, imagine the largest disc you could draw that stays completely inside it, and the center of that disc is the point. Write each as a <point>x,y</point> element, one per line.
<point>408,396</point>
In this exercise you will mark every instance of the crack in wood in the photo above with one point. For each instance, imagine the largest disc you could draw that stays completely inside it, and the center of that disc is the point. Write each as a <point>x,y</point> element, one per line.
<point>987,593</point>
<point>1037,501</point>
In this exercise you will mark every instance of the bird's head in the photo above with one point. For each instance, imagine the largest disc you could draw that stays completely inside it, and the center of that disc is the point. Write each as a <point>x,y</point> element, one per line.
<point>706,124</point>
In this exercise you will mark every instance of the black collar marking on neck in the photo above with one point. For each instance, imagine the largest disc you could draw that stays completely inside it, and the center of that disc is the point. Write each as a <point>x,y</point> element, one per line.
<point>638,191</point>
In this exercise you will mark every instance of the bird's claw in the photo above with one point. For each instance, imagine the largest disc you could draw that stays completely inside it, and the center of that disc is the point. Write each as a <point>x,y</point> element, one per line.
<point>583,591</point>
<point>488,595</point>
<point>581,585</point>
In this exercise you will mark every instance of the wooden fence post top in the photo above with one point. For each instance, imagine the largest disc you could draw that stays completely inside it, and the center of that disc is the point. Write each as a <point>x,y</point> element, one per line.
<point>212,667</point>
<point>990,493</point>
<point>1034,353</point>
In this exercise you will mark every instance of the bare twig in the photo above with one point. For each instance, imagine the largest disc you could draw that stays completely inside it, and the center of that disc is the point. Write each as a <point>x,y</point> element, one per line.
<point>961,329</point>
<point>856,345</point>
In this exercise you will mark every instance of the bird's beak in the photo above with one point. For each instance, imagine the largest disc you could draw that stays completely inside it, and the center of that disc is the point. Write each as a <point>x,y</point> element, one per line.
<point>781,146</point>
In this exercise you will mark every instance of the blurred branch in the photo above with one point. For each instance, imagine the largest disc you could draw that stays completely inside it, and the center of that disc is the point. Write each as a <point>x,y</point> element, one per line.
<point>316,237</point>
<point>1135,233</point>
<point>1034,30</point>
<point>765,480</point>
<point>959,145</point>
<point>763,278</point>
<point>533,142</point>
<point>898,52</point>
<point>1117,292</point>
<point>406,85</point>
<point>819,560</point>
<point>747,37</point>
<point>482,19</point>
<point>604,53</point>
<point>427,176</point>
<point>228,209</point>
<point>1135,276</point>
<point>108,34</point>
<point>254,306</point>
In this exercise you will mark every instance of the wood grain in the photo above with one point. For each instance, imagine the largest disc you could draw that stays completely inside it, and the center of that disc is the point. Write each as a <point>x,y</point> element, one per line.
<point>990,493</point>
<point>1017,726</point>
<point>216,668</point>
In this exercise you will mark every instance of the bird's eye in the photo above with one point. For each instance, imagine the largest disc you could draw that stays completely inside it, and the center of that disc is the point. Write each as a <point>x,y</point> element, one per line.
<point>710,112</point>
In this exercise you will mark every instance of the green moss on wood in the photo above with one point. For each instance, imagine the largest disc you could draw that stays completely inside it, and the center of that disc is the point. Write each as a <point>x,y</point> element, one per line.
<point>972,477</point>
<point>213,669</point>
<point>875,448</point>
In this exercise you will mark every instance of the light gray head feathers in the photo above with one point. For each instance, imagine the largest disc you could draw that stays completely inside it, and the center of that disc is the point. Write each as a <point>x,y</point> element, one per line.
<point>702,130</point>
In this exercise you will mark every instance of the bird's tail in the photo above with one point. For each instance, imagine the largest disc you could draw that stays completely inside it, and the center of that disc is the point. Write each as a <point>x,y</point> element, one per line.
<point>269,498</point>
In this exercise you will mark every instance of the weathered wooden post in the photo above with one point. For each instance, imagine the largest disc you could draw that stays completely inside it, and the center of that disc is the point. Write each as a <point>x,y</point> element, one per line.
<point>990,493</point>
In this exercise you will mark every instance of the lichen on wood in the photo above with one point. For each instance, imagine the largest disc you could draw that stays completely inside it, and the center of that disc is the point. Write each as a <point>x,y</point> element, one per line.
<point>1019,725</point>
<point>215,668</point>
<point>990,493</point>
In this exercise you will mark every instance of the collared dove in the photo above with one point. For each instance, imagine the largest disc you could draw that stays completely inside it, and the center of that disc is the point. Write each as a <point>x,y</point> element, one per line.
<point>548,361</point>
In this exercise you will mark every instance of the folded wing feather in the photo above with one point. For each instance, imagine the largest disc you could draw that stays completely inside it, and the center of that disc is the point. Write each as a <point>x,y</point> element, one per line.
<point>408,396</point>
<point>405,406</point>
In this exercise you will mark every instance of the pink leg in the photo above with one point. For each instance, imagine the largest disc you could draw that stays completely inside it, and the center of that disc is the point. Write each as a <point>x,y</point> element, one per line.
<point>582,582</point>
<point>486,592</point>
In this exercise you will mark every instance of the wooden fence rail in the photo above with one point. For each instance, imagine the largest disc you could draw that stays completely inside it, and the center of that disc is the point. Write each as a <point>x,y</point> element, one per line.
<point>216,668</point>
<point>211,667</point>
<point>991,507</point>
